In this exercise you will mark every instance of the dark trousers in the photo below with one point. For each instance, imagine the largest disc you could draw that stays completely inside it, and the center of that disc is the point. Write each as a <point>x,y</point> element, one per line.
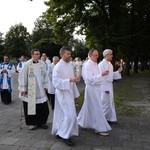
<point>42,112</point>
<point>48,96</point>
<point>6,97</point>
<point>52,97</point>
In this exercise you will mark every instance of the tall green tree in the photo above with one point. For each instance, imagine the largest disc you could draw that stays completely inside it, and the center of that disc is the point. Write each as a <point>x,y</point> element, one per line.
<point>135,43</point>
<point>42,38</point>
<point>16,41</point>
<point>80,49</point>
<point>119,25</point>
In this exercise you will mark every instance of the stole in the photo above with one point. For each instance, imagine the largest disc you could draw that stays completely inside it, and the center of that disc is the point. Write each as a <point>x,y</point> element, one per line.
<point>31,92</point>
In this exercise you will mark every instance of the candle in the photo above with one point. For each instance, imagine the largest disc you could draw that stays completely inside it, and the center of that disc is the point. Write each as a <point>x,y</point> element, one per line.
<point>78,72</point>
<point>121,63</point>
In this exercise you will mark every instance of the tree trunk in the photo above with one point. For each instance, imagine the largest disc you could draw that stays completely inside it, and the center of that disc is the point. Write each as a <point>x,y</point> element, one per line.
<point>142,68</point>
<point>136,65</point>
<point>127,68</point>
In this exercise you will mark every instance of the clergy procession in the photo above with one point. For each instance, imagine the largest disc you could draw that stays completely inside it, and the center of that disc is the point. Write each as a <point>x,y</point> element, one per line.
<point>52,86</point>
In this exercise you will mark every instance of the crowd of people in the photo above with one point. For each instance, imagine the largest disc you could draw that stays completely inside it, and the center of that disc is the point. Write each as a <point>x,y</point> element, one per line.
<point>41,80</point>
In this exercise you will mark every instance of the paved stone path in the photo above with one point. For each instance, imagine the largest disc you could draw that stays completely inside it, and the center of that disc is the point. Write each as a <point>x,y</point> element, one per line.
<point>130,133</point>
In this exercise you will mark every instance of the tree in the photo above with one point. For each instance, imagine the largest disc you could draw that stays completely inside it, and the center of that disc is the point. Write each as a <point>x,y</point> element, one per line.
<point>80,49</point>
<point>1,45</point>
<point>121,25</point>
<point>42,38</point>
<point>16,41</point>
<point>138,37</point>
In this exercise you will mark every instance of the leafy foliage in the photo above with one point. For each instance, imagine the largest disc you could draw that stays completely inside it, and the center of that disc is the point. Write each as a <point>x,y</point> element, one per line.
<point>80,49</point>
<point>120,25</point>
<point>16,41</point>
<point>42,38</point>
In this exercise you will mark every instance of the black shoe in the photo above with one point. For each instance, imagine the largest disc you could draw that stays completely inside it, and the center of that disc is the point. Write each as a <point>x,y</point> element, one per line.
<point>6,103</point>
<point>58,137</point>
<point>112,122</point>
<point>43,126</point>
<point>68,142</point>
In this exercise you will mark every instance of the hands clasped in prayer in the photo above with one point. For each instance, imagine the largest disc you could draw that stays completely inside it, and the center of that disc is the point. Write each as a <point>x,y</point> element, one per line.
<point>5,71</point>
<point>105,73</point>
<point>24,93</point>
<point>75,79</point>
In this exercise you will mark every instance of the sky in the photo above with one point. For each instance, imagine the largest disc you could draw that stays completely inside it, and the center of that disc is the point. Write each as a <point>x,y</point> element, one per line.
<point>20,11</point>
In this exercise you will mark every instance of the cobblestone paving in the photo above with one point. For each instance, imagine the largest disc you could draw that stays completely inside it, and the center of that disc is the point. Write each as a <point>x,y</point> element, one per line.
<point>130,133</point>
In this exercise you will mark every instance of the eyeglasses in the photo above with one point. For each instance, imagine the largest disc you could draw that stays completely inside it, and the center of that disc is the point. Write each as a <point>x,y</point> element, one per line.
<point>37,54</point>
<point>95,55</point>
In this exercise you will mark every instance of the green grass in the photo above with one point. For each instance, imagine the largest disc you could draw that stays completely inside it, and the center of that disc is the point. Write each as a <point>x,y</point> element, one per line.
<point>79,101</point>
<point>145,73</point>
<point>121,108</point>
<point>123,94</point>
<point>127,110</point>
<point>125,90</point>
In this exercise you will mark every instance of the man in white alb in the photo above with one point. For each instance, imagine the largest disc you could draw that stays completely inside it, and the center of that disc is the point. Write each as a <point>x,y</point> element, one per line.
<point>47,59</point>
<point>91,114</point>
<point>33,82</point>
<point>51,88</point>
<point>21,63</point>
<point>65,118</point>
<point>107,96</point>
<point>7,70</point>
